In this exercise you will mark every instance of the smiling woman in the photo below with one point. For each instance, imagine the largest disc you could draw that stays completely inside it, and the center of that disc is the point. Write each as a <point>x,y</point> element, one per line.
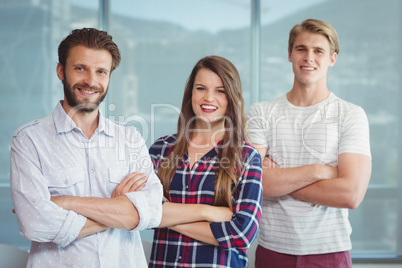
<point>161,40</point>
<point>209,100</point>
<point>208,162</point>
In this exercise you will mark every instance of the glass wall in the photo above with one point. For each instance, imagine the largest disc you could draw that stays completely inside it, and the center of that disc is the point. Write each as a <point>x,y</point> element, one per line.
<point>30,32</point>
<point>161,40</point>
<point>367,73</point>
<point>160,49</point>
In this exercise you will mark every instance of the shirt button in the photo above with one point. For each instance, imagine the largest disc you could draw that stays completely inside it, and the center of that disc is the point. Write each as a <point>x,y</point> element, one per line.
<point>92,170</point>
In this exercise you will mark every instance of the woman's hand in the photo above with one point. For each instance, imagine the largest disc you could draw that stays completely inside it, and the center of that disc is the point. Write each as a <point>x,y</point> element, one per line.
<point>218,214</point>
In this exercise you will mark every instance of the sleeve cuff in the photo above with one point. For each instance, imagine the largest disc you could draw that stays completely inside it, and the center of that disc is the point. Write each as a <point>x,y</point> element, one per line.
<point>149,208</point>
<point>71,229</point>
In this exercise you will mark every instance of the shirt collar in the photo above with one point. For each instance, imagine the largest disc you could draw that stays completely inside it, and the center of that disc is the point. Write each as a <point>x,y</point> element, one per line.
<point>65,123</point>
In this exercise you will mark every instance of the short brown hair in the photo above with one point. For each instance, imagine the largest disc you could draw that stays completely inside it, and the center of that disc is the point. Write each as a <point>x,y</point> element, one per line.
<point>318,27</point>
<point>90,38</point>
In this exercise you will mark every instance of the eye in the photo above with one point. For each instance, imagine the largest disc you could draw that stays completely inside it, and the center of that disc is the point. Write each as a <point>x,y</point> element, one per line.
<point>200,88</point>
<point>221,91</point>
<point>80,69</point>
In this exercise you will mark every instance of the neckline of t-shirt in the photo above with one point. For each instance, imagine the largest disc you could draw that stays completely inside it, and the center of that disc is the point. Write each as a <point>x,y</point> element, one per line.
<point>323,102</point>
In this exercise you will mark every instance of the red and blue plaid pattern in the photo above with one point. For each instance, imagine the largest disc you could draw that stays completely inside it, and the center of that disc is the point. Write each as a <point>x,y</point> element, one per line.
<point>196,186</point>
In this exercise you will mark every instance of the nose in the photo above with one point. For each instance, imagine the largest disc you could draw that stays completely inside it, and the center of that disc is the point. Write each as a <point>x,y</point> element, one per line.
<point>90,79</point>
<point>309,57</point>
<point>209,95</point>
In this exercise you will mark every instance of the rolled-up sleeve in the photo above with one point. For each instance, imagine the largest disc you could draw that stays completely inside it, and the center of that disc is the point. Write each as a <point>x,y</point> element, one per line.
<point>39,218</point>
<point>148,201</point>
<point>241,231</point>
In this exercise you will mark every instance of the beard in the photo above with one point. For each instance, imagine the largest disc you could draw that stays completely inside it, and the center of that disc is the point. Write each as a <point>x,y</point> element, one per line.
<point>82,106</point>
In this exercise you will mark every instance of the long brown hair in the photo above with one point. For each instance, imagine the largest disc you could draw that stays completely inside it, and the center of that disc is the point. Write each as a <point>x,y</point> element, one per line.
<point>230,150</point>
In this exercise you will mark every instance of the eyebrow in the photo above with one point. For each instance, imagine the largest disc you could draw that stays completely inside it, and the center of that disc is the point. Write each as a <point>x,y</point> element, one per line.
<point>304,46</point>
<point>104,69</point>
<point>198,84</point>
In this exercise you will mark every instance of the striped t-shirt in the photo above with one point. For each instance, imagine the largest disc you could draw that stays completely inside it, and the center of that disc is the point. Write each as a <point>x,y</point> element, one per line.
<point>298,136</point>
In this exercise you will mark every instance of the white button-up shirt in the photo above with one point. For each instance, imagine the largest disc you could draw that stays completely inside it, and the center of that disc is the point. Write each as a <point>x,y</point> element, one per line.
<point>53,157</point>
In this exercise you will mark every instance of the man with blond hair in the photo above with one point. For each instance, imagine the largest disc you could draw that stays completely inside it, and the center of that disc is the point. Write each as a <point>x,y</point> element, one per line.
<point>317,159</point>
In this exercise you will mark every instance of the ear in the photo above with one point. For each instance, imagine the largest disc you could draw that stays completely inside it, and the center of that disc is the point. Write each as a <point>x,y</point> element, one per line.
<point>59,70</point>
<point>333,59</point>
<point>290,56</point>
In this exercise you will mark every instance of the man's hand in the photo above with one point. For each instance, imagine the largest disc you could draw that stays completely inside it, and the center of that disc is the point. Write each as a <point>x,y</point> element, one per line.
<point>269,163</point>
<point>132,182</point>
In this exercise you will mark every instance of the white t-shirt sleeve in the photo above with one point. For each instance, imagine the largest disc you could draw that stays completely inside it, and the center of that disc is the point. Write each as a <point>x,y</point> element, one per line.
<point>355,133</point>
<point>257,125</point>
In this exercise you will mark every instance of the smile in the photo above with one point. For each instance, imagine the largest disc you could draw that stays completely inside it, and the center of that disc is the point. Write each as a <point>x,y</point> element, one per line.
<point>308,68</point>
<point>209,107</point>
<point>86,91</point>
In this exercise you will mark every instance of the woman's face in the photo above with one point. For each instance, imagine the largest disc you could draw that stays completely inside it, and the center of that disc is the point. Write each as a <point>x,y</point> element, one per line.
<point>209,100</point>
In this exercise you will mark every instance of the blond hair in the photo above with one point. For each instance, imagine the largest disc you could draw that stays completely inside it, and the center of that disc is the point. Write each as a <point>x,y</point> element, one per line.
<point>317,27</point>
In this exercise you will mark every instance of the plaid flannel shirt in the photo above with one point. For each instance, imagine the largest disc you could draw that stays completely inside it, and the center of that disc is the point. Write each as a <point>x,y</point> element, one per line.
<point>196,186</point>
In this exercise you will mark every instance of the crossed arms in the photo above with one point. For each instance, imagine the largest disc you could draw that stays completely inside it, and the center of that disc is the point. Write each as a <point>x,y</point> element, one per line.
<point>118,212</point>
<point>103,213</point>
<point>70,217</point>
<point>193,219</point>
<point>343,186</point>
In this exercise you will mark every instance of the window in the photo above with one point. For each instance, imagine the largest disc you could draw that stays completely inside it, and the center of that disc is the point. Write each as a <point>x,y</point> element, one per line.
<point>160,48</point>
<point>367,73</point>
<point>30,32</point>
